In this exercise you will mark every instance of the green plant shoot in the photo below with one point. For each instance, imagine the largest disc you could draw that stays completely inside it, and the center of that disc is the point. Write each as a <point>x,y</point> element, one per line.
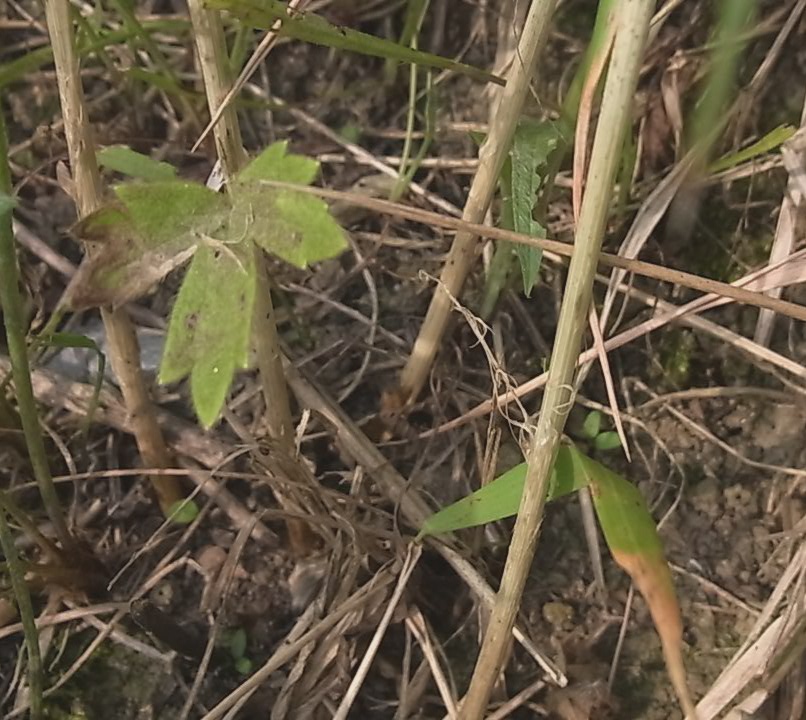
<point>157,225</point>
<point>627,525</point>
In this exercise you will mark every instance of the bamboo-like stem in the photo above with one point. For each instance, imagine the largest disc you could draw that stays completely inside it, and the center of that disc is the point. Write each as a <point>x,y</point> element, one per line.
<point>632,20</point>
<point>124,351</point>
<point>491,158</point>
<point>17,575</point>
<point>11,304</point>
<point>216,71</point>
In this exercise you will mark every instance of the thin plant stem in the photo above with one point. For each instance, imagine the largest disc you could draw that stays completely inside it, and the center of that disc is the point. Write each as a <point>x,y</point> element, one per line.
<point>491,159</point>
<point>124,350</point>
<point>216,71</point>
<point>18,352</point>
<point>633,17</point>
<point>20,587</point>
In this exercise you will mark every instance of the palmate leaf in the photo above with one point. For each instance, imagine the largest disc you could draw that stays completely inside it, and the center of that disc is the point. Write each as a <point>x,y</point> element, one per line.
<point>315,29</point>
<point>627,525</point>
<point>135,242</point>
<point>208,335</point>
<point>153,227</point>
<point>294,226</point>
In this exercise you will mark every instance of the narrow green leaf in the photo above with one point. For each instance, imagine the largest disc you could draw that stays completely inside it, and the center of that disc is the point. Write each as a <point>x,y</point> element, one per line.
<point>499,499</point>
<point>635,545</point>
<point>124,160</point>
<point>592,424</point>
<point>531,147</point>
<point>317,30</point>
<point>772,140</point>
<point>208,335</point>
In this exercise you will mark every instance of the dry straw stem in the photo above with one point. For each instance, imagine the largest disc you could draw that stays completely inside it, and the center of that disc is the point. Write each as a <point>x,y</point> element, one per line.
<point>632,25</point>
<point>214,63</point>
<point>124,352</point>
<point>639,267</point>
<point>491,159</point>
<point>211,47</point>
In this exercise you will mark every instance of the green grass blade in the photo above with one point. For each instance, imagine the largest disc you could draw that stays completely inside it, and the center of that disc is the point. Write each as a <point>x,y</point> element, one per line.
<point>634,542</point>
<point>499,499</point>
<point>315,29</point>
<point>20,68</point>
<point>772,140</point>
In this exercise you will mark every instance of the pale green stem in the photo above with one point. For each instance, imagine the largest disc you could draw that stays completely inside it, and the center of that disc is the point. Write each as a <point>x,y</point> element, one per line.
<point>632,27</point>
<point>17,576</point>
<point>18,352</point>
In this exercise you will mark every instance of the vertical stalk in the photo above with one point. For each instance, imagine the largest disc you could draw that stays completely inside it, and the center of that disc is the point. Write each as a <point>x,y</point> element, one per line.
<point>632,25</point>
<point>215,68</point>
<point>491,158</point>
<point>216,71</point>
<point>124,350</point>
<point>17,576</point>
<point>18,352</point>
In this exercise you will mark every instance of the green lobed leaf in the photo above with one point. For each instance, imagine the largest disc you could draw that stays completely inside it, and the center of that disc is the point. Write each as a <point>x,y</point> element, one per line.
<point>274,163</point>
<point>315,29</point>
<point>209,331</point>
<point>297,228</point>
<point>123,159</point>
<point>531,146</point>
<point>294,226</point>
<point>153,228</point>
<point>166,210</point>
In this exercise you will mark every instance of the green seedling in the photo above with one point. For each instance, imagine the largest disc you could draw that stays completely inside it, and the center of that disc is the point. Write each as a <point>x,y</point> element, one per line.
<point>235,642</point>
<point>601,439</point>
<point>626,522</point>
<point>183,512</point>
<point>157,225</point>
